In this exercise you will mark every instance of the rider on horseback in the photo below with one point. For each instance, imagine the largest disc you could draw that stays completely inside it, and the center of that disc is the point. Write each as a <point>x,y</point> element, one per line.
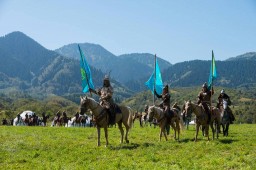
<point>106,100</point>
<point>204,97</point>
<point>165,104</point>
<point>224,96</point>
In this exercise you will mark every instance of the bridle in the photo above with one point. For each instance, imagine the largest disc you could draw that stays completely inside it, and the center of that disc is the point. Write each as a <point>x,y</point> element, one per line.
<point>190,111</point>
<point>85,108</point>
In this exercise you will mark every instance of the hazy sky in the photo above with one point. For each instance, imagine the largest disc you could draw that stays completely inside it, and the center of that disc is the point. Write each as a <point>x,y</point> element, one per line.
<point>174,30</point>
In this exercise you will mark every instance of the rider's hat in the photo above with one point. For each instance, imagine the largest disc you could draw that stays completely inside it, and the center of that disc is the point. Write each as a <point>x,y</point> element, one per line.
<point>106,78</point>
<point>204,85</point>
<point>166,87</point>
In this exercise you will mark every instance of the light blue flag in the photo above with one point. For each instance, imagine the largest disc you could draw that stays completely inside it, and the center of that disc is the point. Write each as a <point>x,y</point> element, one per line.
<point>157,83</point>
<point>213,72</point>
<point>85,73</point>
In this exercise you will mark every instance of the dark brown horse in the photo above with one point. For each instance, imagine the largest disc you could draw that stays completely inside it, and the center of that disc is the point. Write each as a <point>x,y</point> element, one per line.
<point>26,120</point>
<point>4,121</point>
<point>64,119</point>
<point>138,115</point>
<point>44,119</point>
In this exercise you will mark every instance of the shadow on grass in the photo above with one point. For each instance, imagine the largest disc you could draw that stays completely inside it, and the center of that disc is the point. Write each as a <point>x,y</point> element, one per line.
<point>125,146</point>
<point>186,140</point>
<point>227,141</point>
<point>131,146</point>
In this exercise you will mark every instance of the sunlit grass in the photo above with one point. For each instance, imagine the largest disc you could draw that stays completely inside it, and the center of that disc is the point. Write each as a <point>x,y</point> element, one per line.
<point>76,148</point>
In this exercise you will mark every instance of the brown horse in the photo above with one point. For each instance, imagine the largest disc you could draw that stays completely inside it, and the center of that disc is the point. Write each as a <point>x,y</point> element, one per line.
<point>79,120</point>
<point>202,118</point>
<point>138,116</point>
<point>64,119</point>
<point>44,119</point>
<point>159,115</point>
<point>26,120</point>
<point>101,117</point>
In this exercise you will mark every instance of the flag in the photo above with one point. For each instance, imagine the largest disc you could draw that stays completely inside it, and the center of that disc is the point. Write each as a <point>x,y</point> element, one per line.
<point>85,73</point>
<point>213,72</point>
<point>155,81</point>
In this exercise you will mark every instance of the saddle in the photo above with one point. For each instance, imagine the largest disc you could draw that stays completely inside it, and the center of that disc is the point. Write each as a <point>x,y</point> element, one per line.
<point>169,115</point>
<point>116,109</point>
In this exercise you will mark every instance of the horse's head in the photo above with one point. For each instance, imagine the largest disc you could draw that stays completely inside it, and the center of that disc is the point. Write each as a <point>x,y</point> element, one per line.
<point>225,104</point>
<point>151,113</point>
<point>84,102</point>
<point>188,108</point>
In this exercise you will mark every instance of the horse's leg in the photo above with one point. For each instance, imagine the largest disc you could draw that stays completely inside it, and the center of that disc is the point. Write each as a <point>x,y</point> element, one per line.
<point>213,131</point>
<point>126,134</point>
<point>121,131</point>
<point>163,131</point>
<point>178,128</point>
<point>223,128</point>
<point>227,129</point>
<point>106,134</point>
<point>174,128</point>
<point>207,132</point>
<point>217,126</point>
<point>160,135</point>
<point>98,130</point>
<point>197,129</point>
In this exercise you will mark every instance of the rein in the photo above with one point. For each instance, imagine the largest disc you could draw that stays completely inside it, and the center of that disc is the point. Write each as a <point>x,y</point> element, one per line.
<point>99,117</point>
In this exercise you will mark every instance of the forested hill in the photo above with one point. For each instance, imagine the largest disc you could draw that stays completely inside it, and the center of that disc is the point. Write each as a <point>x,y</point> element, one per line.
<point>231,73</point>
<point>29,67</point>
<point>234,72</point>
<point>123,68</point>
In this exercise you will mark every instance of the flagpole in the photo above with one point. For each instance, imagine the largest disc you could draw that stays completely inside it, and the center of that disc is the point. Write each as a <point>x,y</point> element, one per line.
<point>154,80</point>
<point>212,82</point>
<point>85,71</point>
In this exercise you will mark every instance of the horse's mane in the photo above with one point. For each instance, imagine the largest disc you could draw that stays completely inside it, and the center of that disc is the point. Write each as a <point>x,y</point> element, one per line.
<point>90,98</point>
<point>156,107</point>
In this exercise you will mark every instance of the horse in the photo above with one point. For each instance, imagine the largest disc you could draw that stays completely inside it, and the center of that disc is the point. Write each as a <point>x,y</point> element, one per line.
<point>177,109</point>
<point>4,121</point>
<point>159,115</point>
<point>44,119</point>
<point>202,118</point>
<point>186,117</point>
<point>101,117</point>
<point>26,120</point>
<point>64,119</point>
<point>138,116</point>
<point>56,120</point>
<point>225,118</point>
<point>79,120</point>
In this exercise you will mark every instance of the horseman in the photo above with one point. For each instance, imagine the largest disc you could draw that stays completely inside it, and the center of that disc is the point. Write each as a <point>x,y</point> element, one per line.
<point>106,100</point>
<point>204,98</point>
<point>165,104</point>
<point>18,117</point>
<point>224,96</point>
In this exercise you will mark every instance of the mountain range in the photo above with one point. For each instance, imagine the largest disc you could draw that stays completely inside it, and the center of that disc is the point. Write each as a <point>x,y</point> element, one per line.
<point>28,66</point>
<point>123,68</point>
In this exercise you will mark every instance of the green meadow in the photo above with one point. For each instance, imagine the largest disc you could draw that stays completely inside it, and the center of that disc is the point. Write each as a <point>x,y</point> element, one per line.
<point>75,148</point>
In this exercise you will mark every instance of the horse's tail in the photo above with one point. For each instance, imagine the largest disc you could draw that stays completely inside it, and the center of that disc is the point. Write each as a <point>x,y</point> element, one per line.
<point>130,118</point>
<point>181,124</point>
<point>180,118</point>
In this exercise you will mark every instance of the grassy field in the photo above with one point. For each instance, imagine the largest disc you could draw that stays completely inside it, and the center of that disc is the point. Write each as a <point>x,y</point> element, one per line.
<point>75,148</point>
